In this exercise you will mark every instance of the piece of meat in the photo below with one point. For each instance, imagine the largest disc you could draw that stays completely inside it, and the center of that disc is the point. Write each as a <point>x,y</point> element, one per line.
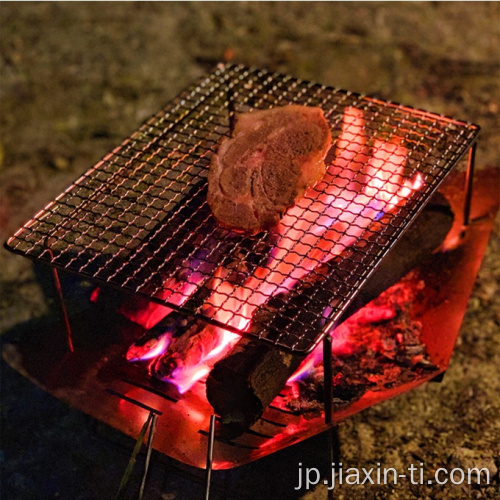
<point>268,164</point>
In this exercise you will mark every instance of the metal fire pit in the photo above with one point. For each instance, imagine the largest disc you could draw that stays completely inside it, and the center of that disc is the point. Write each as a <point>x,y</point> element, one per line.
<point>140,215</point>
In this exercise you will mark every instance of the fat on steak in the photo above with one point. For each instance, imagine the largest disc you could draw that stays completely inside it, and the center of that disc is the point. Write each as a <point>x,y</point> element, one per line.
<point>267,165</point>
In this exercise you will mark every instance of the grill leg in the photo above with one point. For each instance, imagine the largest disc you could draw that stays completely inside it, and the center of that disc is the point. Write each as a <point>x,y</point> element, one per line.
<point>469,175</point>
<point>332,439</point>
<point>57,285</point>
<point>210,457</point>
<point>328,375</point>
<point>130,467</point>
<point>333,455</point>
<point>152,430</point>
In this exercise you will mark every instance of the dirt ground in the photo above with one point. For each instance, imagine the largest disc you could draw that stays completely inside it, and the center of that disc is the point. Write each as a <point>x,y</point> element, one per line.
<point>76,78</point>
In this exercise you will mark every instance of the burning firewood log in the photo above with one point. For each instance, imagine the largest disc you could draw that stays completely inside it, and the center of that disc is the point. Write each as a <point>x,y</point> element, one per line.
<point>189,351</point>
<point>243,384</point>
<point>156,340</point>
<point>185,360</point>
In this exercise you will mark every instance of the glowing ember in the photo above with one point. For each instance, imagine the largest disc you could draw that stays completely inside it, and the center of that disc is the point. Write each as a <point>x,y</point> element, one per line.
<point>94,295</point>
<point>377,347</point>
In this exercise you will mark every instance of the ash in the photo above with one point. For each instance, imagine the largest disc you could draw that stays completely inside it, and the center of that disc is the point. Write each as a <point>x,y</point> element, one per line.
<point>377,348</point>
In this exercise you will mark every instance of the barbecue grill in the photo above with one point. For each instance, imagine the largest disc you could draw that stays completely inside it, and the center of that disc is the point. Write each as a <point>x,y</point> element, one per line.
<point>140,217</point>
<point>140,214</point>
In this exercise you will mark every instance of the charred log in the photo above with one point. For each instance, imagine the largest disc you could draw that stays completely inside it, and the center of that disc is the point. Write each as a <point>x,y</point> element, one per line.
<point>149,343</point>
<point>186,350</point>
<point>244,383</point>
<point>192,345</point>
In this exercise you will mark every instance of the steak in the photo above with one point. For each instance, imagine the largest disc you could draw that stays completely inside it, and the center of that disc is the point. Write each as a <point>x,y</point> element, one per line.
<point>267,165</point>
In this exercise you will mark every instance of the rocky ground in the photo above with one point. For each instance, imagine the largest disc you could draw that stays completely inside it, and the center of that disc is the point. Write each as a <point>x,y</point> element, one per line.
<point>78,77</point>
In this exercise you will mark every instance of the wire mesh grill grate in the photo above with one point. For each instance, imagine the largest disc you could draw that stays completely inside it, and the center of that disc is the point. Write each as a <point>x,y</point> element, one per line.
<point>139,221</point>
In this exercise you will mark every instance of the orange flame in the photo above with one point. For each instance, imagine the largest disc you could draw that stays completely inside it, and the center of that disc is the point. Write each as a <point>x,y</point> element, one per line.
<point>184,378</point>
<point>358,186</point>
<point>148,314</point>
<point>188,377</point>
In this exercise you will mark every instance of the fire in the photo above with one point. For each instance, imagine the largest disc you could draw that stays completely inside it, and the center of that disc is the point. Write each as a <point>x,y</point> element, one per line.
<point>361,184</point>
<point>340,344</point>
<point>364,182</point>
<point>228,339</point>
<point>148,314</point>
<point>150,349</point>
<point>183,361</point>
<point>184,379</point>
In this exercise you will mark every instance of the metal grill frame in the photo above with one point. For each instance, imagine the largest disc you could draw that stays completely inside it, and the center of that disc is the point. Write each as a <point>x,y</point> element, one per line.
<point>122,222</point>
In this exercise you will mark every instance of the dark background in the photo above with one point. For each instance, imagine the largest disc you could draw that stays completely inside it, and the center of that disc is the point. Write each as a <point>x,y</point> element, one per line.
<point>76,78</point>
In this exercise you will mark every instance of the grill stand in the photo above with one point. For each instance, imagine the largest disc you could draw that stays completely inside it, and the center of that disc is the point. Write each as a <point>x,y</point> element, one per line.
<point>332,438</point>
<point>462,272</point>
<point>468,187</point>
<point>333,442</point>
<point>116,208</point>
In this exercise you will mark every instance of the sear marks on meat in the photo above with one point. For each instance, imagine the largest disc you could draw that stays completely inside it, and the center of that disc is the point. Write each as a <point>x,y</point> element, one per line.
<point>268,164</point>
